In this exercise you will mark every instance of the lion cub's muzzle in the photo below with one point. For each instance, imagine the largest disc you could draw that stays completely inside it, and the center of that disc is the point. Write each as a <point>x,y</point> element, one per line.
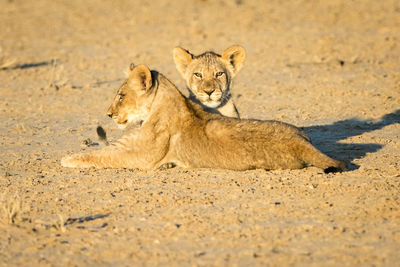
<point>210,97</point>
<point>112,115</point>
<point>209,91</point>
<point>120,121</point>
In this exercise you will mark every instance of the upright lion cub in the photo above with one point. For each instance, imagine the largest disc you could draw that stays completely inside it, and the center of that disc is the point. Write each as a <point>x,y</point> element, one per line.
<point>209,77</point>
<point>178,131</point>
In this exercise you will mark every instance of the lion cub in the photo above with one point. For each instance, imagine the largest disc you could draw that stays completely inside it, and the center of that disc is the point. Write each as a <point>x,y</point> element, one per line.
<point>177,131</point>
<point>209,77</point>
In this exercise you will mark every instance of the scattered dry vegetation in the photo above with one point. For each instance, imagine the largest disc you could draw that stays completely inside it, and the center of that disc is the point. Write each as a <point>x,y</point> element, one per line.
<point>12,209</point>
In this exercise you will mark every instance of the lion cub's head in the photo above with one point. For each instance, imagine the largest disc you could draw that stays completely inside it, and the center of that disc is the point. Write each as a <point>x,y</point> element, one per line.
<point>133,101</point>
<point>209,75</point>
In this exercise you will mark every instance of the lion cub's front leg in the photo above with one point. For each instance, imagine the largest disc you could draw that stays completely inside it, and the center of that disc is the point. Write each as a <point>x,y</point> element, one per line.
<point>140,150</point>
<point>110,158</point>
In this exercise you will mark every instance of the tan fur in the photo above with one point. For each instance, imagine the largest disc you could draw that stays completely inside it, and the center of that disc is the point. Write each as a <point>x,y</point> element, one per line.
<point>177,131</point>
<point>209,77</point>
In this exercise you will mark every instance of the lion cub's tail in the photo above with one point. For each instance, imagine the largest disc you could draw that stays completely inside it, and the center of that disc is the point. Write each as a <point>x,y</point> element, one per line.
<point>314,157</point>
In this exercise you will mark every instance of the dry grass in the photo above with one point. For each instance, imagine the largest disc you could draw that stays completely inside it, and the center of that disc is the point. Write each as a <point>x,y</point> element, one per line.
<point>5,61</point>
<point>56,79</point>
<point>11,209</point>
<point>59,223</point>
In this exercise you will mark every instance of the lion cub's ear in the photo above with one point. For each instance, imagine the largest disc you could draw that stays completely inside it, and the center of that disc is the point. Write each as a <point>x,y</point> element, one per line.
<point>235,55</point>
<point>182,58</point>
<point>140,78</point>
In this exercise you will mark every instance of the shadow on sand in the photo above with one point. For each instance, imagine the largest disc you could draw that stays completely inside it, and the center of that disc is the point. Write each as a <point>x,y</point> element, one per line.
<point>31,65</point>
<point>85,219</point>
<point>326,137</point>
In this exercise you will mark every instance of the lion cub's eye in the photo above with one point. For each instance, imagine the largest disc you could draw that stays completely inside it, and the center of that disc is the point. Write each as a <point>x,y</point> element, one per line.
<point>121,97</point>
<point>198,75</point>
<point>219,74</point>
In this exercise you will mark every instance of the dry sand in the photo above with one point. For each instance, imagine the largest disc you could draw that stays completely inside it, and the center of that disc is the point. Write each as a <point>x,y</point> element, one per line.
<point>330,67</point>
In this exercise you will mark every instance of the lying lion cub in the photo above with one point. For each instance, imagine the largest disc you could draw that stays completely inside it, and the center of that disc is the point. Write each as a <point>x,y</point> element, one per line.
<point>209,77</point>
<point>177,130</point>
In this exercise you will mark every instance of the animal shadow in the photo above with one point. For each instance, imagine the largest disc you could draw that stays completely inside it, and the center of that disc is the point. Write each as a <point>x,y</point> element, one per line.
<point>327,137</point>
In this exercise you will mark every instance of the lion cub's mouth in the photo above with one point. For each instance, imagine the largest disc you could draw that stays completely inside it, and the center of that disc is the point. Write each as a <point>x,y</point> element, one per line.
<point>126,123</point>
<point>122,125</point>
<point>210,101</point>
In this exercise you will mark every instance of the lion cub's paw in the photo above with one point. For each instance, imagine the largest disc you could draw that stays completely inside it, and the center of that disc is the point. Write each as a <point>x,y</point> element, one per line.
<point>166,166</point>
<point>73,161</point>
<point>341,166</point>
<point>68,161</point>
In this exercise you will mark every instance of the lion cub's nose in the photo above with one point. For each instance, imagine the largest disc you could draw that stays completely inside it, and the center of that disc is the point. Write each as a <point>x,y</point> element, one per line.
<point>209,91</point>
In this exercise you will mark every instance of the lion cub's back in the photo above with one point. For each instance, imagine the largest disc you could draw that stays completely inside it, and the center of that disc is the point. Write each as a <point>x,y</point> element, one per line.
<point>256,130</point>
<point>248,144</point>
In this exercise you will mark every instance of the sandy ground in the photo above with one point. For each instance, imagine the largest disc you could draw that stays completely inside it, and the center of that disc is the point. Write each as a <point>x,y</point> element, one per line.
<point>330,67</point>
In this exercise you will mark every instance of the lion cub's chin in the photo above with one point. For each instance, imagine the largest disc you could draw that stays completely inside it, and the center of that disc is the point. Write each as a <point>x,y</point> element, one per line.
<point>122,126</point>
<point>212,104</point>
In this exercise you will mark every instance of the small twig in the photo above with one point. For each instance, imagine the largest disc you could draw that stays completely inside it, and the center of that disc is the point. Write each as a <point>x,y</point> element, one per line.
<point>4,64</point>
<point>53,69</point>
